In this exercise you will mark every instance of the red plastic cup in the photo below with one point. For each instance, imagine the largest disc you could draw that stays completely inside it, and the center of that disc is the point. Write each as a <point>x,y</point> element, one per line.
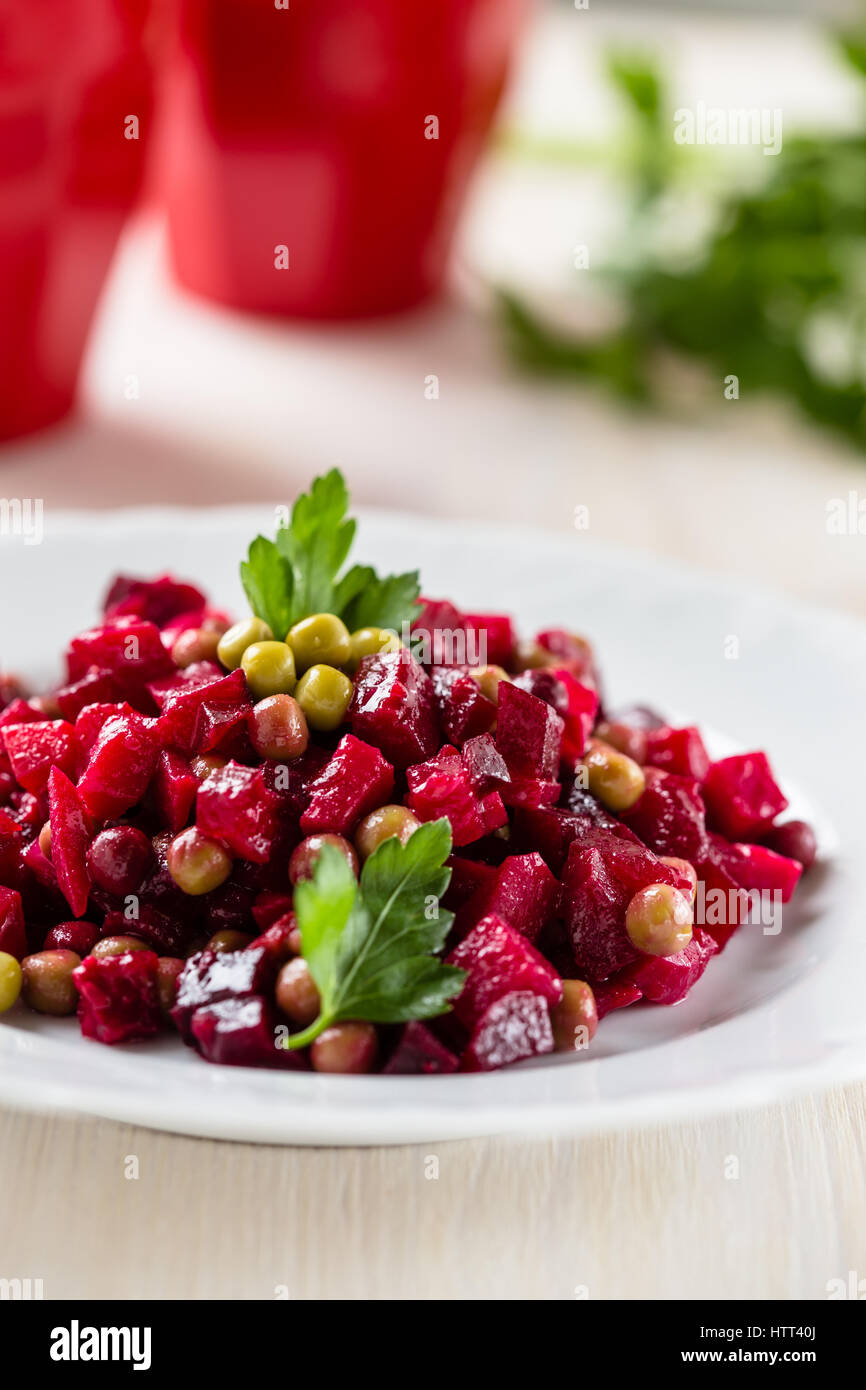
<point>314,158</point>
<point>72,75</point>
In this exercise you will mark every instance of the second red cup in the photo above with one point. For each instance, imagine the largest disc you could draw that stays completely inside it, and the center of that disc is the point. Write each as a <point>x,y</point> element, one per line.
<point>314,157</point>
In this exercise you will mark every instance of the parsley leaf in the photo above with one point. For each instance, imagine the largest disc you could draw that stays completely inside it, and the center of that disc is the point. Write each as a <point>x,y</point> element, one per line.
<point>297,574</point>
<point>383,602</point>
<point>316,543</point>
<point>267,584</point>
<point>371,945</point>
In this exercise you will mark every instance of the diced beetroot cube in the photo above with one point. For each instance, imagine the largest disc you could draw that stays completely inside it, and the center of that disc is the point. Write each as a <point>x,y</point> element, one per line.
<point>463,711</point>
<point>356,780</point>
<point>419,1053</point>
<point>212,976</point>
<point>96,688</point>
<point>435,612</point>
<point>438,634</point>
<point>13,871</point>
<point>632,863</point>
<point>569,649</point>
<point>269,906</point>
<point>742,796</point>
<point>499,960</point>
<point>80,937</point>
<point>576,704</point>
<point>602,874</point>
<point>129,649</point>
<point>678,750</point>
<point>394,707</point>
<point>40,866</point>
<point>614,994</point>
<point>530,792</point>
<point>71,833</point>
<point>291,781</point>
<point>33,749</point>
<point>492,812</point>
<point>173,788</point>
<point>276,940</point>
<point>158,600</point>
<point>668,979</point>
<point>594,903</point>
<point>229,908</point>
<point>551,829</point>
<point>488,770</point>
<point>13,939</point>
<point>235,806</point>
<point>560,642</point>
<point>580,713</point>
<point>29,809</point>
<point>522,892</point>
<point>442,787</point>
<point>757,868</point>
<point>20,712</point>
<point>181,707</point>
<point>730,880</point>
<point>90,722</point>
<point>669,816</point>
<point>164,934</point>
<point>467,876</point>
<point>119,997</point>
<point>120,766</point>
<point>721,905</point>
<point>184,678</point>
<point>218,725</point>
<point>493,635</point>
<point>514,1027</point>
<point>528,734</point>
<point>243,1033</point>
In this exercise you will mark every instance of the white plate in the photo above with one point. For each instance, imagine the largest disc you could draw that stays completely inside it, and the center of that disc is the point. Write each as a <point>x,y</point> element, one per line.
<point>773,1014</point>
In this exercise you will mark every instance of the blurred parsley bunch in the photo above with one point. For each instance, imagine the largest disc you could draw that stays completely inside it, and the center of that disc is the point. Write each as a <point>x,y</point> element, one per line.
<point>775,294</point>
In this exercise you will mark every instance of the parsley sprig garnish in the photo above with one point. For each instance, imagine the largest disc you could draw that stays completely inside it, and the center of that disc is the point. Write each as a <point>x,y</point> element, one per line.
<point>371,944</point>
<point>774,291</point>
<point>298,573</point>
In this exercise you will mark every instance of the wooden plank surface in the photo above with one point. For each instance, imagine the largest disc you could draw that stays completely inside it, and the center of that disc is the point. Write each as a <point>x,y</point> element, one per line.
<point>770,1204</point>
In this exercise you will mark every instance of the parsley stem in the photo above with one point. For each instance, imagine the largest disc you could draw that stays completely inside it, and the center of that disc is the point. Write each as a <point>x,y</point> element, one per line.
<point>309,1034</point>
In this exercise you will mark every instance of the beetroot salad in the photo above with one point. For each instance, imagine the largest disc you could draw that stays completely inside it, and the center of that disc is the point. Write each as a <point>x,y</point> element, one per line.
<point>361,830</point>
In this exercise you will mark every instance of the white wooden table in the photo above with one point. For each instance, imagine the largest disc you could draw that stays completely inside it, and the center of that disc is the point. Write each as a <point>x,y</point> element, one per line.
<point>658,1214</point>
<point>767,1204</point>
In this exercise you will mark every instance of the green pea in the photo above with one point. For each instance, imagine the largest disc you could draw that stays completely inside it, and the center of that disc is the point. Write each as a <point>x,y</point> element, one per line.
<point>269,668</point>
<point>616,780</point>
<point>368,641</point>
<point>233,644</point>
<point>324,694</point>
<point>320,638</point>
<point>659,919</point>
<point>10,981</point>
<point>197,863</point>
